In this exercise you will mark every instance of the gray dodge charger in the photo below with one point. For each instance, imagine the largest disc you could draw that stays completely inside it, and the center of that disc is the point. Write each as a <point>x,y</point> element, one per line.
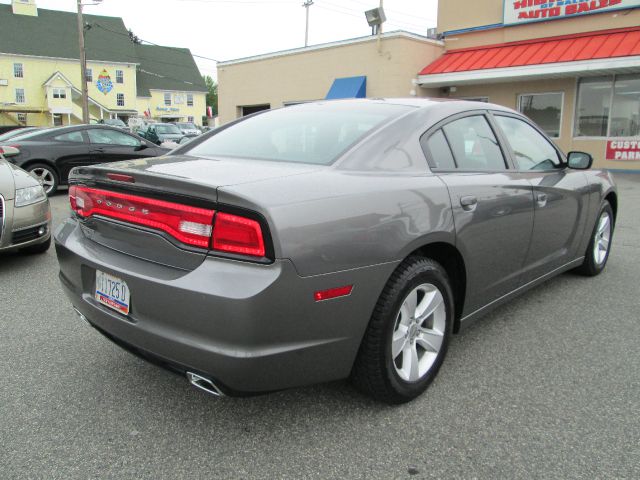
<point>328,240</point>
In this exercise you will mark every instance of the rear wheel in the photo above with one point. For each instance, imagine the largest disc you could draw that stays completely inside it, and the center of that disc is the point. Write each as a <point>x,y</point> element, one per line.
<point>408,334</point>
<point>600,244</point>
<point>47,176</point>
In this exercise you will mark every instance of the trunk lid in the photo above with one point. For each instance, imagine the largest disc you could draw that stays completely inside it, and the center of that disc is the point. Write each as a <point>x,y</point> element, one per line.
<point>180,179</point>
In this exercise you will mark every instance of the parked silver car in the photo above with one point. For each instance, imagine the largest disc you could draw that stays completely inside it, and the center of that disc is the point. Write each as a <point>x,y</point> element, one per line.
<point>25,216</point>
<point>328,240</point>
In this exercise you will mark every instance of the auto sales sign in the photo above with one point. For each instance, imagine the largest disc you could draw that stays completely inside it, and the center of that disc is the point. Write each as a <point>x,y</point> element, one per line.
<point>524,11</point>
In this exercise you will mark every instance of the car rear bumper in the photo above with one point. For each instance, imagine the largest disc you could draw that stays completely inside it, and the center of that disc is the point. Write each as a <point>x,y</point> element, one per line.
<point>24,226</point>
<point>248,327</point>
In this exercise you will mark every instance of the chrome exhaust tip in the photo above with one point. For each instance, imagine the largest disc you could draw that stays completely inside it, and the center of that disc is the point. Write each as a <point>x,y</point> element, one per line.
<point>82,317</point>
<point>204,384</point>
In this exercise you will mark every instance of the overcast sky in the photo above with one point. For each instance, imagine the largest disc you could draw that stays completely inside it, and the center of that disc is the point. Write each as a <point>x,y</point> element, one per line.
<point>228,29</point>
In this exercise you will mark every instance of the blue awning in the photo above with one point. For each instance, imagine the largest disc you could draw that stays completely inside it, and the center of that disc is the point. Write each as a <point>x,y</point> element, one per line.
<point>349,87</point>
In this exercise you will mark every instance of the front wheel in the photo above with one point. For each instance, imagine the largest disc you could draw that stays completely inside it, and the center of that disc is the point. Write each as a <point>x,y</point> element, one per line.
<point>407,337</point>
<point>600,244</point>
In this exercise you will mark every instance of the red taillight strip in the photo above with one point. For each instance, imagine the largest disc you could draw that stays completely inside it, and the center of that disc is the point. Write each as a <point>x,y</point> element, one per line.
<point>189,225</point>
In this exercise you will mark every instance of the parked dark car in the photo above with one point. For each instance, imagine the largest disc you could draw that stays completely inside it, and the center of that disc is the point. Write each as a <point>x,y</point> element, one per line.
<point>161,132</point>
<point>17,132</point>
<point>50,154</point>
<point>113,122</point>
<point>329,240</point>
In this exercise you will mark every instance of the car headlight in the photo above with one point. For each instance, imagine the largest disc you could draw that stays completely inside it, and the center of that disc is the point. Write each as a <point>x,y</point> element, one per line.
<point>29,195</point>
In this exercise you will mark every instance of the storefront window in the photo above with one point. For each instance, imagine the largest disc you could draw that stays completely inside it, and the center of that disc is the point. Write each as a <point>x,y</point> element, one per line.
<point>594,104</point>
<point>625,116</point>
<point>545,109</point>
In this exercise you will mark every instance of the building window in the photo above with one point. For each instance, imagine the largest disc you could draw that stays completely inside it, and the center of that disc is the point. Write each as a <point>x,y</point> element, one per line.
<point>89,75</point>
<point>167,99</point>
<point>20,95</point>
<point>545,109</point>
<point>191,119</point>
<point>22,118</point>
<point>18,71</point>
<point>625,116</point>
<point>608,106</point>
<point>59,93</point>
<point>57,120</point>
<point>120,99</point>
<point>119,76</point>
<point>189,99</point>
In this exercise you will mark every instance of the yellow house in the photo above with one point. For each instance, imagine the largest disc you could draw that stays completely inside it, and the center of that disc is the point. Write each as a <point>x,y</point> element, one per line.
<point>40,71</point>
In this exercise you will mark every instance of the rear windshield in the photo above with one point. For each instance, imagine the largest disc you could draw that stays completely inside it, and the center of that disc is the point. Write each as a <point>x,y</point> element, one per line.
<point>312,133</point>
<point>115,121</point>
<point>167,129</point>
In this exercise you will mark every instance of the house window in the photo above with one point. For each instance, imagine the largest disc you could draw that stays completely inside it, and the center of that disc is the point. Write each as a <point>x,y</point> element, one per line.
<point>191,119</point>
<point>57,120</point>
<point>545,109</point>
<point>120,99</point>
<point>22,118</point>
<point>189,99</point>
<point>18,71</point>
<point>167,99</point>
<point>20,95</point>
<point>119,76</point>
<point>89,75</point>
<point>59,93</point>
<point>608,106</point>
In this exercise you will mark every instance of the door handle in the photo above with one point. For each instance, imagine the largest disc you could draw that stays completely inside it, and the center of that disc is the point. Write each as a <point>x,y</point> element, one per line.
<point>541,199</point>
<point>97,150</point>
<point>469,203</point>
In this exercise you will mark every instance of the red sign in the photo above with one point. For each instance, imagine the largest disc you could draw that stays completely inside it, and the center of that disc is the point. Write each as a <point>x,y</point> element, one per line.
<point>522,11</point>
<point>623,150</point>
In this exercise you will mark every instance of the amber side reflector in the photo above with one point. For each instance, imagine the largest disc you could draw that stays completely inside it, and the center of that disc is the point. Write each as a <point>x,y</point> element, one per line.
<point>119,177</point>
<point>333,293</point>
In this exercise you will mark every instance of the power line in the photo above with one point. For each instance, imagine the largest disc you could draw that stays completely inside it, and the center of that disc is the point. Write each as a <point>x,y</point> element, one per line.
<point>150,43</point>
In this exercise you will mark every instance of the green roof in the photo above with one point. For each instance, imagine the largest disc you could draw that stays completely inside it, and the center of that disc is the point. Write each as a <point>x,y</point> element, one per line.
<point>167,68</point>
<point>54,33</point>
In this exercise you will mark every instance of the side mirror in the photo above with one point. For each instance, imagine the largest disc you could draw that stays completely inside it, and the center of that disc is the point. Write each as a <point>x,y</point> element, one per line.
<point>142,146</point>
<point>579,160</point>
<point>9,151</point>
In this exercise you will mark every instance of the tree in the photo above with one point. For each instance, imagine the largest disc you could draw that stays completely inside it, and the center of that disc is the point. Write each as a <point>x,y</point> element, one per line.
<point>212,95</point>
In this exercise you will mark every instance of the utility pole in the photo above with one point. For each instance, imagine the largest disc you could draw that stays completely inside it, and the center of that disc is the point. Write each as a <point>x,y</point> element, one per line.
<point>307,4</point>
<point>380,29</point>
<point>83,66</point>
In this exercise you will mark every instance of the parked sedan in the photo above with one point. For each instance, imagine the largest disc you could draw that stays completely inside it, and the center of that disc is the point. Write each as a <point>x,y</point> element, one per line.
<point>50,154</point>
<point>188,129</point>
<point>160,133</point>
<point>329,240</point>
<point>25,216</point>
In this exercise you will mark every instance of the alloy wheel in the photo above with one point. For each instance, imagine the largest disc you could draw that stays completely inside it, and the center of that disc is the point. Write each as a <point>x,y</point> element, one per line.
<point>602,239</point>
<point>418,333</point>
<point>45,177</point>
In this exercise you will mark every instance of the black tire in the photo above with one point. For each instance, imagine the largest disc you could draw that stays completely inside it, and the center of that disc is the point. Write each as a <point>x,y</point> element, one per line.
<point>44,171</point>
<point>375,371</point>
<point>590,267</point>
<point>37,248</point>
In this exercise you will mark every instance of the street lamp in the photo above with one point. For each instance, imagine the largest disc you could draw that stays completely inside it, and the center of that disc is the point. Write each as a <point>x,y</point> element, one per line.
<point>83,61</point>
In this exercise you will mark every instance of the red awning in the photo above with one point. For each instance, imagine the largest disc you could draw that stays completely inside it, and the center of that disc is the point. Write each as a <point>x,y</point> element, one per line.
<point>568,48</point>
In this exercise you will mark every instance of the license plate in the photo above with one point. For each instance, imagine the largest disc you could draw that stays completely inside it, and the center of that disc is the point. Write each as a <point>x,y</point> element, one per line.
<point>112,292</point>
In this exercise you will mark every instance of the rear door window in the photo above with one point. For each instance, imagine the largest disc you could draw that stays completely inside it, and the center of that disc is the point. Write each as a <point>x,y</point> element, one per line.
<point>474,145</point>
<point>438,148</point>
<point>75,137</point>
<point>111,137</point>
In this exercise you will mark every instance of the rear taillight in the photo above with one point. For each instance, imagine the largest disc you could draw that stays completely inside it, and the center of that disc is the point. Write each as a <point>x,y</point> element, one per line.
<point>189,225</point>
<point>199,227</point>
<point>235,234</point>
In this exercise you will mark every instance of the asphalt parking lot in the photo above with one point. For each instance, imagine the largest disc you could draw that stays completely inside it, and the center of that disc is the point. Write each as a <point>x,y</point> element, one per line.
<point>547,386</point>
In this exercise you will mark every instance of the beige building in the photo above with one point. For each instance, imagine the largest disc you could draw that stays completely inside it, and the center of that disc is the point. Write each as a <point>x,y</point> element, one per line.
<point>573,66</point>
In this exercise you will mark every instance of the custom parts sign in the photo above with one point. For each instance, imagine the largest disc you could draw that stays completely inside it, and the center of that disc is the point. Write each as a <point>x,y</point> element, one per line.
<point>523,11</point>
<point>623,150</point>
